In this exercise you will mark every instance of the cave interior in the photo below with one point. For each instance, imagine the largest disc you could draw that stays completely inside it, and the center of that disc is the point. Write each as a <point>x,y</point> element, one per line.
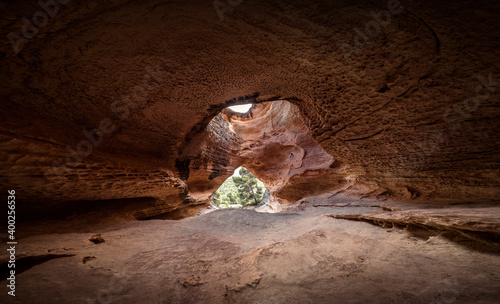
<point>373,126</point>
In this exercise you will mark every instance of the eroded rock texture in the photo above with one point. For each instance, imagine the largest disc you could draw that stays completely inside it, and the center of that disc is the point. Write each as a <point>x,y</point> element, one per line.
<point>273,142</point>
<point>388,105</point>
<point>375,125</point>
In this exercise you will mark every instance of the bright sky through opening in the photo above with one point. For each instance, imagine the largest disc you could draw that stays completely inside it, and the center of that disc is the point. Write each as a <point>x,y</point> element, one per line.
<point>241,108</point>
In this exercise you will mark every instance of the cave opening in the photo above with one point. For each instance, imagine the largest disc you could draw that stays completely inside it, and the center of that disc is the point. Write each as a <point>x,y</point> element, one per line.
<point>242,109</point>
<point>273,141</point>
<point>240,190</point>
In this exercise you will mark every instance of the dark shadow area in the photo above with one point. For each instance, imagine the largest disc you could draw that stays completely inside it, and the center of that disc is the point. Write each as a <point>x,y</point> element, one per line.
<point>34,218</point>
<point>26,263</point>
<point>179,213</point>
<point>32,211</point>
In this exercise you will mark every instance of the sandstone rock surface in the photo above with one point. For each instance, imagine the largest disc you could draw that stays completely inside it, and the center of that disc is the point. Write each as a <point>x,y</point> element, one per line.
<point>241,256</point>
<point>394,113</point>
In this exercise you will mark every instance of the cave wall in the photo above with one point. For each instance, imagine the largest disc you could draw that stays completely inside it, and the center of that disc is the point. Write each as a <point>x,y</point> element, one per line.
<point>411,105</point>
<point>211,155</point>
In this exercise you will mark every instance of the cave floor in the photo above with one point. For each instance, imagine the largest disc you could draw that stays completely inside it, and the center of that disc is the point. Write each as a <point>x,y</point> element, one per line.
<point>243,256</point>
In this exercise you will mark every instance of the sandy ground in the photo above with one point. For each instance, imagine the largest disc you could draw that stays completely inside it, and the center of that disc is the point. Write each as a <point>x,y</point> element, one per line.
<point>242,256</point>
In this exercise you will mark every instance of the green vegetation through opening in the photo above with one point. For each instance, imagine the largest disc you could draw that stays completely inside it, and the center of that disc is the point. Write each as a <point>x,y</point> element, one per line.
<point>240,190</point>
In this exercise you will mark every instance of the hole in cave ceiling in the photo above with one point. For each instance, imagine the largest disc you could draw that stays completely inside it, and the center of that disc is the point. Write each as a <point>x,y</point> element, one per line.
<point>244,108</point>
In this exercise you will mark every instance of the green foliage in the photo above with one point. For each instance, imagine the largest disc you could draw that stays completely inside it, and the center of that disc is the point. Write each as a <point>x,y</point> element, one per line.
<point>239,191</point>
